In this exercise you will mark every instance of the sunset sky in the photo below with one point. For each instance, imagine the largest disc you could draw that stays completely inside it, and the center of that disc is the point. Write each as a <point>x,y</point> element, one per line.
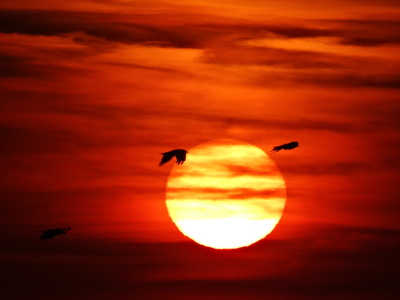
<point>91,92</point>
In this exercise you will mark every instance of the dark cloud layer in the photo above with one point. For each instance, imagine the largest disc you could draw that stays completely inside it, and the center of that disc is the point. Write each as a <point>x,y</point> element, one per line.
<point>143,29</point>
<point>93,24</point>
<point>13,66</point>
<point>333,263</point>
<point>223,44</point>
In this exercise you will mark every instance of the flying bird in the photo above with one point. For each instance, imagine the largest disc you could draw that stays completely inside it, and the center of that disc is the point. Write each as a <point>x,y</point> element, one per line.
<point>288,146</point>
<point>50,233</point>
<point>180,155</point>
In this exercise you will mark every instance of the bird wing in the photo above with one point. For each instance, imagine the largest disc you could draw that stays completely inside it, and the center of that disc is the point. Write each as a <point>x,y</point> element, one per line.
<point>180,156</point>
<point>166,158</point>
<point>60,231</point>
<point>48,234</point>
<point>290,146</point>
<point>277,148</point>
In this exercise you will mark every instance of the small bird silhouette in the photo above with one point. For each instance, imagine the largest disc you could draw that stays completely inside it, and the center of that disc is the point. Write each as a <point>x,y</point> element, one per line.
<point>288,146</point>
<point>50,233</point>
<point>180,155</point>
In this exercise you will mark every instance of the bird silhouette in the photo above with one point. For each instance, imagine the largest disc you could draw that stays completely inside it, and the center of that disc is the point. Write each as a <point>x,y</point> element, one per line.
<point>50,233</point>
<point>288,146</point>
<point>180,155</point>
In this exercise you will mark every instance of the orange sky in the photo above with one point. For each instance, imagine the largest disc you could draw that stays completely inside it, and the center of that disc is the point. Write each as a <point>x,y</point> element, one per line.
<point>93,91</point>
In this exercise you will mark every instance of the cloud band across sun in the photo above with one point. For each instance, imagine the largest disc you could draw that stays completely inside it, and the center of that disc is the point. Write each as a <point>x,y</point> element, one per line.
<point>228,195</point>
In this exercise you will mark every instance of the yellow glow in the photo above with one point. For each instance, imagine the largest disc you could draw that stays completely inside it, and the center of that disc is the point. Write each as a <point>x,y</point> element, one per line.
<point>227,195</point>
<point>323,45</point>
<point>226,233</point>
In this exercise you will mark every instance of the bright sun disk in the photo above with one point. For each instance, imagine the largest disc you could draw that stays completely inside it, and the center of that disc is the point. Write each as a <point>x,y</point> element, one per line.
<point>227,195</point>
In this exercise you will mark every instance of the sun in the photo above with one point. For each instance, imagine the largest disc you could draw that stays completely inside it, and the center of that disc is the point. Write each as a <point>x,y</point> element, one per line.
<point>227,195</point>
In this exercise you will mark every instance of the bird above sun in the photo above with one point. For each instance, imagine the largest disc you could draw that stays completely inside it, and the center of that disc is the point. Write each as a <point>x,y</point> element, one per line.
<point>288,146</point>
<point>228,195</point>
<point>50,233</point>
<point>180,155</point>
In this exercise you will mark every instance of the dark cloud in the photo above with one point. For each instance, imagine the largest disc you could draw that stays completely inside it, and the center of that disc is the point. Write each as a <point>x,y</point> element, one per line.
<point>353,79</point>
<point>36,68</point>
<point>150,68</point>
<point>223,43</point>
<point>345,79</point>
<point>13,66</point>
<point>53,23</point>
<point>19,140</point>
<point>369,42</point>
<point>379,237</point>
<point>323,69</point>
<point>367,32</point>
<point>198,33</point>
<point>93,209</point>
<point>330,263</point>
<point>87,124</point>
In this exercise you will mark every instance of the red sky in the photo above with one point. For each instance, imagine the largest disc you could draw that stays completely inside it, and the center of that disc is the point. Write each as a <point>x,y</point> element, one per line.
<point>93,91</point>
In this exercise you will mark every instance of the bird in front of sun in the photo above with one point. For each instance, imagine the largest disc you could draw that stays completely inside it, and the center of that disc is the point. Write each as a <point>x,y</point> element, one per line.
<point>180,155</point>
<point>50,233</point>
<point>288,146</point>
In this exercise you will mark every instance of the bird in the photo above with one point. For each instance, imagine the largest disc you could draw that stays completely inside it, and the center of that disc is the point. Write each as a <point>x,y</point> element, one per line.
<point>288,146</point>
<point>180,155</point>
<point>50,233</point>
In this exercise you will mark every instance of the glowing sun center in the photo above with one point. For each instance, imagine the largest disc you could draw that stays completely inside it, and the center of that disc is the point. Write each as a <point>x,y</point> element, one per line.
<point>227,195</point>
